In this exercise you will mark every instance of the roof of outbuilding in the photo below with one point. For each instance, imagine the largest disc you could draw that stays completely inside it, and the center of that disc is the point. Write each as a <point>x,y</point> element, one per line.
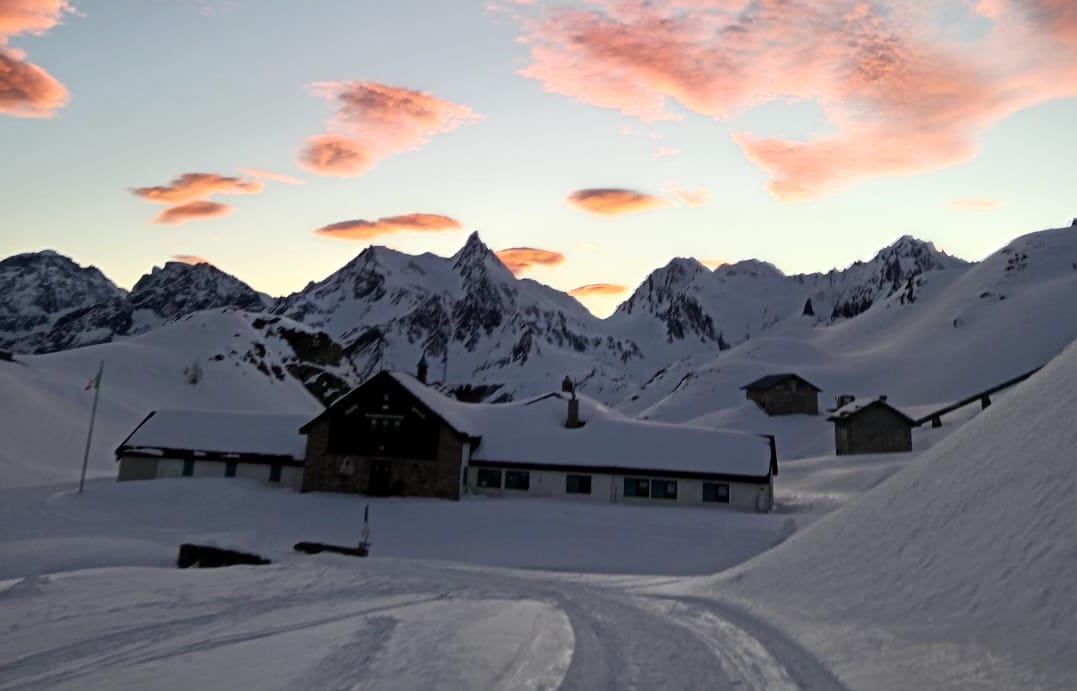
<point>219,432</point>
<point>851,409</point>
<point>772,380</point>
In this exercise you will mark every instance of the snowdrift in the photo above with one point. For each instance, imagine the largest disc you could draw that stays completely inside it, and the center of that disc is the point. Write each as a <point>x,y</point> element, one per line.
<point>962,563</point>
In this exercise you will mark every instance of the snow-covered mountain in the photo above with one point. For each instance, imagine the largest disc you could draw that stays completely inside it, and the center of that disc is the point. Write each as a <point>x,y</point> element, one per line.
<point>475,322</point>
<point>50,303</point>
<point>39,289</point>
<point>945,334</point>
<point>686,309</point>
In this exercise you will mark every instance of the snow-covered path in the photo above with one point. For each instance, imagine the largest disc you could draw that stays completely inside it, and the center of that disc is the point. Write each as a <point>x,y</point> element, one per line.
<point>330,622</point>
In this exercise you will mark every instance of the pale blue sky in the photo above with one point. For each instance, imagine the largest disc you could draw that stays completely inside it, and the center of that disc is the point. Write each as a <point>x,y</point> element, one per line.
<point>162,88</point>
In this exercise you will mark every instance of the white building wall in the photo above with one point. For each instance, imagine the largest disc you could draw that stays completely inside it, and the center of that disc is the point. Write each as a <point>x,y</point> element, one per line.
<point>290,476</point>
<point>170,467</point>
<point>610,488</point>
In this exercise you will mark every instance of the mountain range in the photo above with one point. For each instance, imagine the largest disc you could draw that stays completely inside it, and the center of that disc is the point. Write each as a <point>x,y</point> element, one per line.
<point>478,324</point>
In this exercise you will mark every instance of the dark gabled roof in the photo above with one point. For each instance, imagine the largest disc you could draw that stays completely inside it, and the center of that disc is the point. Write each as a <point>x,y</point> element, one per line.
<point>772,380</point>
<point>853,409</point>
<point>440,405</point>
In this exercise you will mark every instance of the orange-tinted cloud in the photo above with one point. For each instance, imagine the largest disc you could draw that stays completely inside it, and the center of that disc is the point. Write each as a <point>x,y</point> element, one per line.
<point>901,95</point>
<point>614,201</point>
<point>972,203</point>
<point>335,155</point>
<point>368,230</point>
<point>665,151</point>
<point>190,259</point>
<point>26,90</point>
<point>520,259</point>
<point>375,121</point>
<point>598,289</point>
<point>270,175</point>
<point>192,186</point>
<point>200,210</point>
<point>712,263</point>
<point>697,197</point>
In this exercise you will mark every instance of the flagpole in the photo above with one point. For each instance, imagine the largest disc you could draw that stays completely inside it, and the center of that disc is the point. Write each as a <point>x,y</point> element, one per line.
<point>93,415</point>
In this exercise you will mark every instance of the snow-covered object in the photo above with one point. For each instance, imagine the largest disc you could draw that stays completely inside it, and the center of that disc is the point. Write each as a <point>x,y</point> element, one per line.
<point>967,556</point>
<point>475,322</point>
<point>179,289</point>
<point>247,362</point>
<point>950,334</point>
<point>854,407</point>
<point>39,288</point>
<point>49,303</point>
<point>534,431</point>
<point>221,432</point>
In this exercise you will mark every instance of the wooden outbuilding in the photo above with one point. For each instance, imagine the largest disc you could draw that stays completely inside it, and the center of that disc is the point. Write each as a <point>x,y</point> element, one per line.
<point>784,394</point>
<point>871,426</point>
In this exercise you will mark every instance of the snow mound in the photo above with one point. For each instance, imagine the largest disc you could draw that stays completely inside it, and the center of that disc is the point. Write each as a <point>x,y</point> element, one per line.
<point>972,545</point>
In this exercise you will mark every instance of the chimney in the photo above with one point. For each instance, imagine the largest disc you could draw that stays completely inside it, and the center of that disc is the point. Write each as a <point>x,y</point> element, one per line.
<point>573,420</point>
<point>567,385</point>
<point>842,400</point>
<point>882,397</point>
<point>420,369</point>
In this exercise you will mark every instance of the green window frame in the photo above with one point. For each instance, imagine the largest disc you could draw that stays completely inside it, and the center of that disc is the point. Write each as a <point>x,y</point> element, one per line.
<point>488,478</point>
<point>188,467</point>
<point>663,489</point>
<point>637,487</point>
<point>230,468</point>
<point>275,472</point>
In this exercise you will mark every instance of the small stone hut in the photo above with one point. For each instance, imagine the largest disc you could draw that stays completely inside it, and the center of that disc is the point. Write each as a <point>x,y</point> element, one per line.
<point>871,426</point>
<point>784,394</point>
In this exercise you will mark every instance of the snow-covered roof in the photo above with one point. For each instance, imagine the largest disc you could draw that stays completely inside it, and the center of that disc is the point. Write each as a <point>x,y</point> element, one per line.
<point>850,409</point>
<point>220,432</point>
<point>533,431</point>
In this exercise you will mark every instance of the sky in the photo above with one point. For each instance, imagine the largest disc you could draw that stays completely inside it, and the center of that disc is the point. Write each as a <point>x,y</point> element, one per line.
<point>588,142</point>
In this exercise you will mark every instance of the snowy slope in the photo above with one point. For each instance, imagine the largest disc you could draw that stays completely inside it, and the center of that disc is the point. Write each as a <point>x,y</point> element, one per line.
<point>967,555</point>
<point>245,364</point>
<point>947,335</point>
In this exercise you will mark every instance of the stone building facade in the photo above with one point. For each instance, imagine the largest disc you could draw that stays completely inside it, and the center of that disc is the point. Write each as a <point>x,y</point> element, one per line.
<point>872,426</point>
<point>784,394</point>
<point>381,439</point>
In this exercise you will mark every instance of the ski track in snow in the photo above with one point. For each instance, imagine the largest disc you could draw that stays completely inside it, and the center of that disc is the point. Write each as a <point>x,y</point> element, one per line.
<point>396,624</point>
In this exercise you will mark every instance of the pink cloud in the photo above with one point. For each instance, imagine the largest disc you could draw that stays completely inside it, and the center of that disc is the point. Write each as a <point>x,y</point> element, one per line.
<point>190,259</point>
<point>375,121</point>
<point>26,90</point>
<point>192,211</point>
<point>665,151</point>
<point>270,175</point>
<point>902,97</point>
<point>972,203</point>
<point>612,201</point>
<point>192,186</point>
<point>360,229</point>
<point>520,259</point>
<point>598,289</point>
<point>696,197</point>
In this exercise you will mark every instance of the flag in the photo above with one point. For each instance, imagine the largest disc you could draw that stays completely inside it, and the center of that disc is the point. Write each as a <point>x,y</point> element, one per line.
<point>96,381</point>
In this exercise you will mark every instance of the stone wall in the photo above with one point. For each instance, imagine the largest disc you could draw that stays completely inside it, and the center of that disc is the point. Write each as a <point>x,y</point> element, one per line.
<point>872,430</point>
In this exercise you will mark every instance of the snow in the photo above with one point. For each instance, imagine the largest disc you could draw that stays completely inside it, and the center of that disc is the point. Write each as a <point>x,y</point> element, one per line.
<point>534,431</point>
<point>854,407</point>
<point>967,557</point>
<point>222,431</point>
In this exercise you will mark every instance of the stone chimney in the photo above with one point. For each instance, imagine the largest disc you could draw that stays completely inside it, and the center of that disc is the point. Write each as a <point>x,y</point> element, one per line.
<point>421,368</point>
<point>567,385</point>
<point>882,397</point>
<point>573,420</point>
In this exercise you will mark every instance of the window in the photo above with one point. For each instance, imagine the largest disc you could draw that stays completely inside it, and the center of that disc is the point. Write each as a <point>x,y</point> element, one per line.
<point>663,489</point>
<point>230,468</point>
<point>489,478</point>
<point>637,487</point>
<point>577,484</point>
<point>274,472</point>
<point>188,467</point>
<point>517,479</point>
<point>716,492</point>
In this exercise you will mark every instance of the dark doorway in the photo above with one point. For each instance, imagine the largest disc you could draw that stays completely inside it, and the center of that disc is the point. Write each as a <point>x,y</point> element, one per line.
<point>380,479</point>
